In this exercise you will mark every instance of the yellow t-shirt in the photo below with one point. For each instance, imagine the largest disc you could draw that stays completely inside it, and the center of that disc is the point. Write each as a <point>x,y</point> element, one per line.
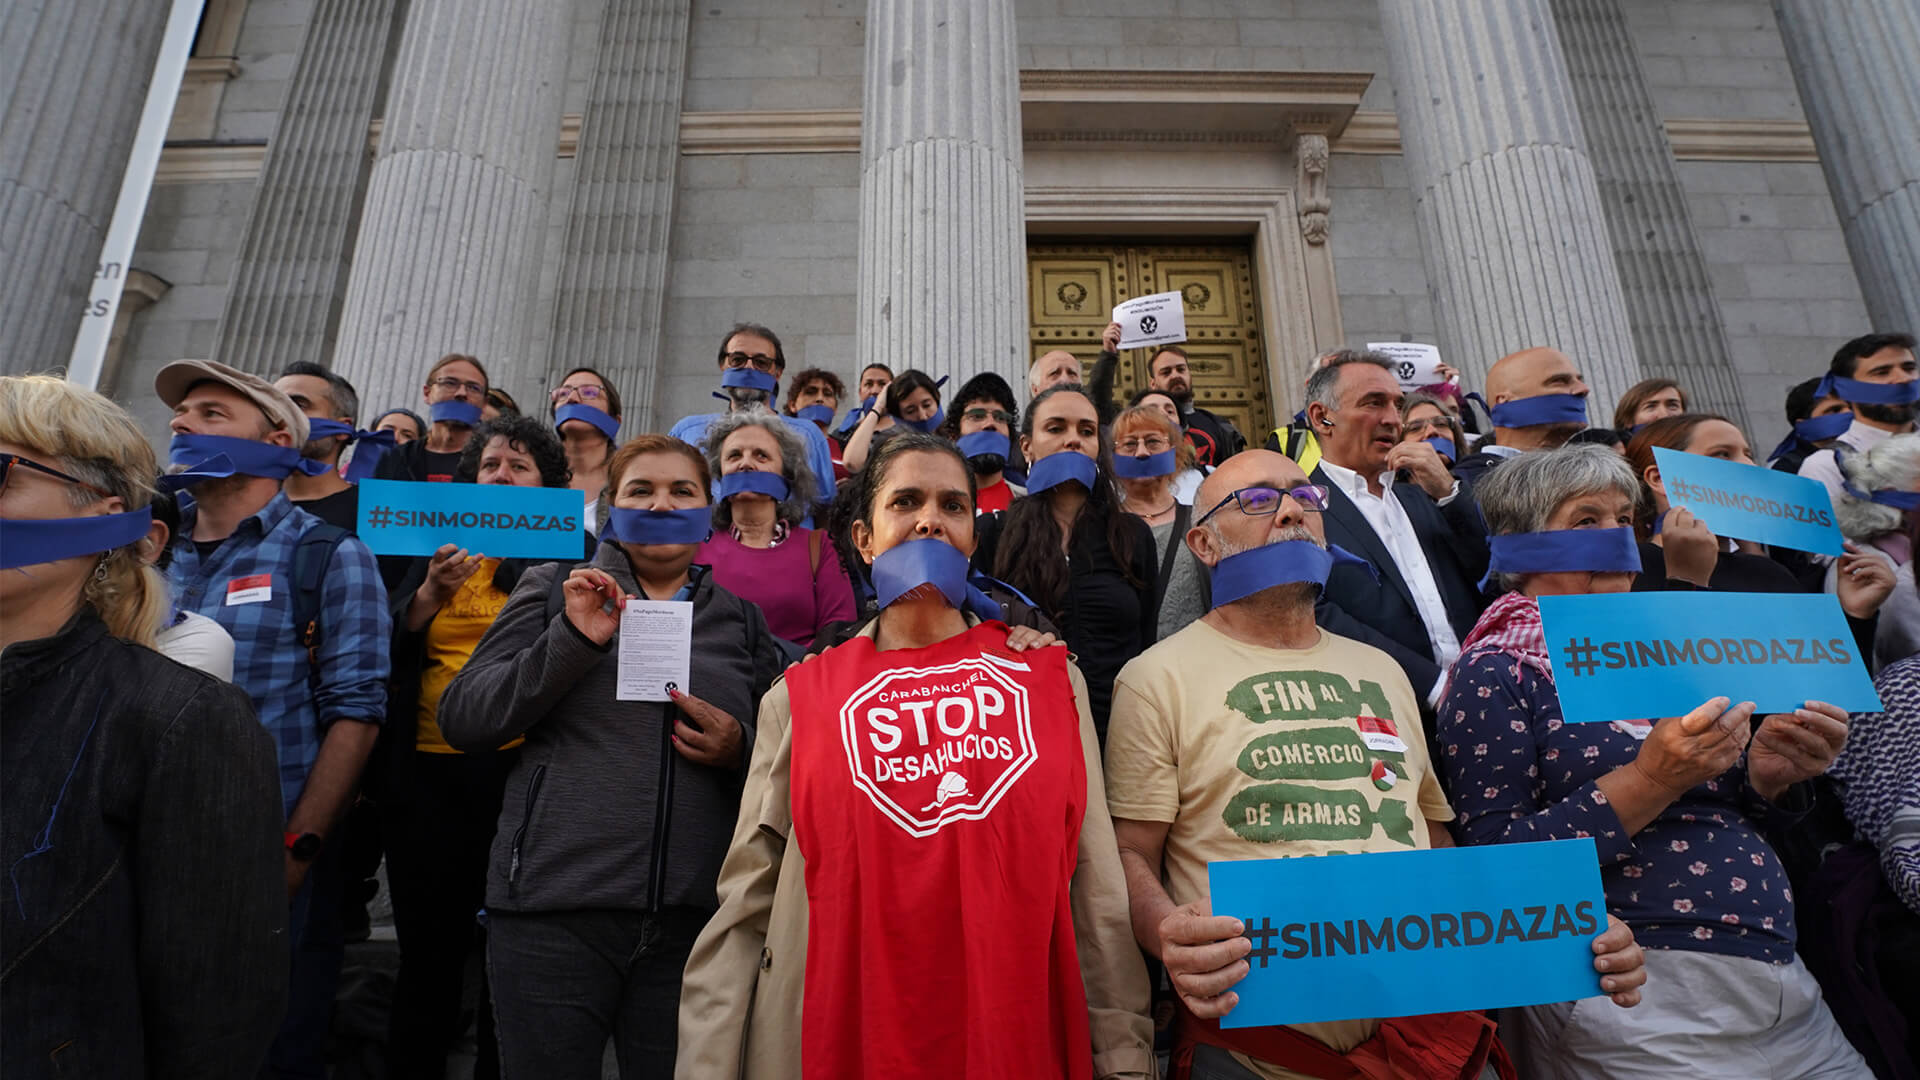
<point>451,638</point>
<point>1258,753</point>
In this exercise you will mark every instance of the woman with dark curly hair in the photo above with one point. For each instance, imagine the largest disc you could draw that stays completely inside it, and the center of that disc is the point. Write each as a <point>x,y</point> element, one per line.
<point>437,818</point>
<point>1089,565</point>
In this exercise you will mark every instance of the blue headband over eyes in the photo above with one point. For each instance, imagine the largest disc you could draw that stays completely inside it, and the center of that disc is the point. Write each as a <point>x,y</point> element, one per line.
<point>985,443</point>
<point>747,378</point>
<point>587,414</point>
<point>1282,563</point>
<point>454,412</point>
<point>1596,550</point>
<point>1867,393</point>
<point>929,425</point>
<point>1442,444</point>
<point>200,454</point>
<point>1814,429</point>
<point>819,414</point>
<point>29,541</point>
<point>1144,468</point>
<point>691,525</point>
<point>748,481</point>
<point>905,567</point>
<point>1537,410</point>
<point>1058,468</point>
<point>371,445</point>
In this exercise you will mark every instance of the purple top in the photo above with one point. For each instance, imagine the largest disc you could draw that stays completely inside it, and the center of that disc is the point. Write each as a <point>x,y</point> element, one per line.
<point>1698,877</point>
<point>780,579</point>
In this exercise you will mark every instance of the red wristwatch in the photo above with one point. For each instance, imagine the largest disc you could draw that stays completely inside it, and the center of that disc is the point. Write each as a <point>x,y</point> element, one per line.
<point>302,845</point>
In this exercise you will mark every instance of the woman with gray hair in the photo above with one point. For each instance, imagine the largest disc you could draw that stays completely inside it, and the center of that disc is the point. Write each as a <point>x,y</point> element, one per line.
<point>1879,509</point>
<point>758,550</point>
<point>1672,805</point>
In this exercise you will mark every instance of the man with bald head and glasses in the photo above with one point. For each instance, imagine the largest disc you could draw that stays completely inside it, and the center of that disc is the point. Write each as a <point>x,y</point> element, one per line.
<point>1254,733</point>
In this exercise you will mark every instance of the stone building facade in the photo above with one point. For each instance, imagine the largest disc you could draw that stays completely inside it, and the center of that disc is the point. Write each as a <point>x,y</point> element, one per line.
<point>1684,187</point>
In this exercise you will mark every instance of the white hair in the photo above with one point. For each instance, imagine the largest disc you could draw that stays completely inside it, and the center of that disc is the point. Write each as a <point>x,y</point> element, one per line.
<point>1894,465</point>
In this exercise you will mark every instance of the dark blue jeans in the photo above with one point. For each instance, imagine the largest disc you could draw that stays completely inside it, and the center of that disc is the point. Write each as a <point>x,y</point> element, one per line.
<point>319,945</point>
<point>565,982</point>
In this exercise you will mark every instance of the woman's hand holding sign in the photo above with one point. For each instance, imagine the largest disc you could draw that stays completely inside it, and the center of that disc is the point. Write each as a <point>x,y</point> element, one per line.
<point>1679,753</point>
<point>1790,747</point>
<point>1863,579</point>
<point>588,592</point>
<point>447,571</point>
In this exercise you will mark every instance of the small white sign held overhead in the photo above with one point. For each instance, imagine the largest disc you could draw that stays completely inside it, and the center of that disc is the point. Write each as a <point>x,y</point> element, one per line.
<point>1159,319</point>
<point>1414,364</point>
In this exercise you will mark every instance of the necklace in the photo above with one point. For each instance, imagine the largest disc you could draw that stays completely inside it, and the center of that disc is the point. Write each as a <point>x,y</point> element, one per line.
<point>1163,511</point>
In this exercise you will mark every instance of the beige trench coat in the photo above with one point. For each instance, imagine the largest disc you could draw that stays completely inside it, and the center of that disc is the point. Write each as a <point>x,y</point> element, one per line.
<point>740,1002</point>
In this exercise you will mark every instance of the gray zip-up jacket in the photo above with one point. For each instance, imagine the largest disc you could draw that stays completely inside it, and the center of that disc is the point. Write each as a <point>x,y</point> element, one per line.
<point>601,812</point>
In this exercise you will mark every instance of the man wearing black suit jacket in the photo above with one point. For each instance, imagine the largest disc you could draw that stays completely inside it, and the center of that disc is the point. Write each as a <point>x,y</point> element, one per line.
<point>1395,505</point>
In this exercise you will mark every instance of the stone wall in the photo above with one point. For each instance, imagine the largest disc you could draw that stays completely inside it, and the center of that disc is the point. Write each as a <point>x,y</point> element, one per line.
<point>762,238</point>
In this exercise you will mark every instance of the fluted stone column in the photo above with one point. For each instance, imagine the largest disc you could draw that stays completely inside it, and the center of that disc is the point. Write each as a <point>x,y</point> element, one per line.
<point>942,212</point>
<point>607,314</point>
<point>448,256</point>
<point>291,273</point>
<point>1663,270</point>
<point>1511,226</point>
<point>73,82</point>
<point>1854,62</point>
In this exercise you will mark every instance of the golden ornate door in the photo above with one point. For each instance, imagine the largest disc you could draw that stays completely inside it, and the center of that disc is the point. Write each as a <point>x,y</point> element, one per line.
<point>1072,290</point>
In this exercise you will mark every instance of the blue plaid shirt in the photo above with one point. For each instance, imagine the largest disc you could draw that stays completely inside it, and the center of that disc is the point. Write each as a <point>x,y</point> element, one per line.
<point>269,662</point>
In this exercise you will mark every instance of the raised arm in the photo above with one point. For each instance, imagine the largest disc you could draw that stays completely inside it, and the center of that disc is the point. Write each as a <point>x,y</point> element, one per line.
<point>524,664</point>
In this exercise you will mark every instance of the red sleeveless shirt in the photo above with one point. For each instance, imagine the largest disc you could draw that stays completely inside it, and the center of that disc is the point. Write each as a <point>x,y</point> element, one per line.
<point>937,799</point>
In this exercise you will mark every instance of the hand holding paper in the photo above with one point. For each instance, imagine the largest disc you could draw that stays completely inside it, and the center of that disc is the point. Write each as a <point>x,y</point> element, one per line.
<point>1862,581</point>
<point>709,735</point>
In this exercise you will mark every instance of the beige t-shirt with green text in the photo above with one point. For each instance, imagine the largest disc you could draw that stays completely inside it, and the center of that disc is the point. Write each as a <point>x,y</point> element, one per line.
<point>1259,753</point>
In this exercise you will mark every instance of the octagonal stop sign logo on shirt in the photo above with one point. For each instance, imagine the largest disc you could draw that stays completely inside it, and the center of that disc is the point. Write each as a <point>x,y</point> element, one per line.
<point>938,744</point>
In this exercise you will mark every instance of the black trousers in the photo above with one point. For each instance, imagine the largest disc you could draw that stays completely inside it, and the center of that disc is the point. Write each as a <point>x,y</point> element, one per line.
<point>438,834</point>
<point>565,982</point>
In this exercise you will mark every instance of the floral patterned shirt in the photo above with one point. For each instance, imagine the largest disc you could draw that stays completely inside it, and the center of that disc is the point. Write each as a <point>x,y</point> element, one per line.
<point>1698,877</point>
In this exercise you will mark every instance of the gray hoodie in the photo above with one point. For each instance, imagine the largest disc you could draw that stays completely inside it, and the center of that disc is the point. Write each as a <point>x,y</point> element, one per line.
<point>601,812</point>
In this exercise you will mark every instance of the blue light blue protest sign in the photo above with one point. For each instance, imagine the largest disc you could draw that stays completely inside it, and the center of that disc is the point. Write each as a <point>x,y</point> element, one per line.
<point>1749,502</point>
<point>1642,656</point>
<point>1405,933</point>
<point>501,521</point>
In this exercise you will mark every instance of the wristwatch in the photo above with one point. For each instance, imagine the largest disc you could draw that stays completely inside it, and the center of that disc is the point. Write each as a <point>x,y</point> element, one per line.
<point>303,845</point>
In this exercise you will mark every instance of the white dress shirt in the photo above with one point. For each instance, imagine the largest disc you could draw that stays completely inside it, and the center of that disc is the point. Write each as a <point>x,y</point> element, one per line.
<point>1395,530</point>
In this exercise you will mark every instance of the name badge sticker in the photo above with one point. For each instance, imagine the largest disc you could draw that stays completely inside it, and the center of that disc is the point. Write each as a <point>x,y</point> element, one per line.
<point>252,589</point>
<point>1380,734</point>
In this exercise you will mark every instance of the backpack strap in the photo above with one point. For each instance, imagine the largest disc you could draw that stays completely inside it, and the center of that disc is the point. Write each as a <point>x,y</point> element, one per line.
<point>557,588</point>
<point>312,554</point>
<point>1176,543</point>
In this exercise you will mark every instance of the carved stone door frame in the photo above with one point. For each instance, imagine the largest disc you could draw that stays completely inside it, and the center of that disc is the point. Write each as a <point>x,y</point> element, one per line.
<point>1299,303</point>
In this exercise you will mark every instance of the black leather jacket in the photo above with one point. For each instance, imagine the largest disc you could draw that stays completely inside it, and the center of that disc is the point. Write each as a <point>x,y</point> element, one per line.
<point>143,924</point>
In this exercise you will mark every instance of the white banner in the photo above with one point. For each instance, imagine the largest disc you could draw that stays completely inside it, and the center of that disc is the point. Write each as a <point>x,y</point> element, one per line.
<point>1414,364</point>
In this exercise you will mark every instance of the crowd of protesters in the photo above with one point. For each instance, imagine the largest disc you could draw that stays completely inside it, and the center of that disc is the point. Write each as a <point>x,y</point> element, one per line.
<point>224,713</point>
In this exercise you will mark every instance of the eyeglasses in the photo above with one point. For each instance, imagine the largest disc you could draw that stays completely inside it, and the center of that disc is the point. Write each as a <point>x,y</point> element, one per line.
<point>582,393</point>
<point>1261,501</point>
<point>8,461</point>
<point>982,414</point>
<point>453,386</point>
<point>1422,424</point>
<point>1152,444</point>
<point>738,360</point>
